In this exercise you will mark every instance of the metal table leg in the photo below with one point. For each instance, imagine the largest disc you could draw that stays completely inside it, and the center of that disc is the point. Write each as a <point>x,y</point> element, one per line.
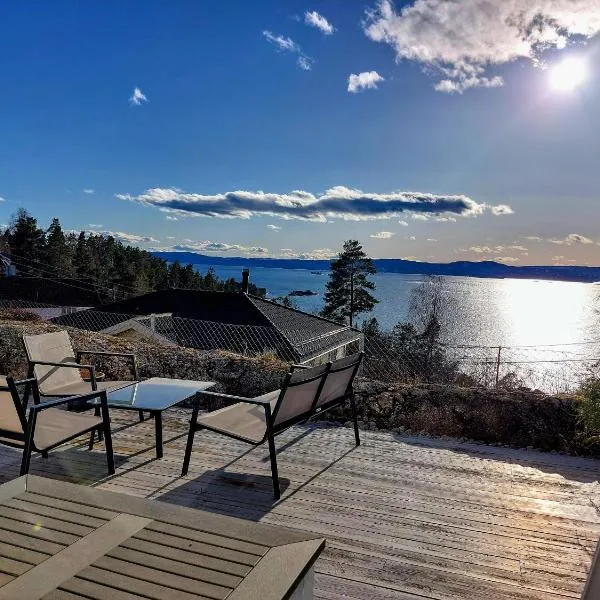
<point>159,432</point>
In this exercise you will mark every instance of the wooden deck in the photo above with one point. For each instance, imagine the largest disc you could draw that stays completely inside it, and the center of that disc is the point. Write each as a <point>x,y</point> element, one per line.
<point>405,518</point>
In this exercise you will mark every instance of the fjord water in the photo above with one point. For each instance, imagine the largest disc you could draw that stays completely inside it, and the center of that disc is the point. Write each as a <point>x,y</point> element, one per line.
<point>508,312</point>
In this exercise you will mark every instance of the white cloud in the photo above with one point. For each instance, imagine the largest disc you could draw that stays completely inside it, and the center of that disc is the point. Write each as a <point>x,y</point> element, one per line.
<point>314,19</point>
<point>287,44</point>
<point>448,86</point>
<point>508,259</point>
<point>208,246</point>
<point>572,238</point>
<point>281,42</point>
<point>569,240</point>
<point>137,97</point>
<point>420,217</point>
<point>494,249</point>
<point>412,238</point>
<point>171,218</point>
<point>274,227</point>
<point>382,235</point>
<point>2,199</point>
<point>403,223</point>
<point>502,209</point>
<point>445,219</point>
<point>338,202</point>
<point>431,240</point>
<point>128,238</point>
<point>305,62</point>
<point>89,191</point>
<point>95,225</point>
<point>462,40</point>
<point>131,239</point>
<point>364,81</point>
<point>316,254</point>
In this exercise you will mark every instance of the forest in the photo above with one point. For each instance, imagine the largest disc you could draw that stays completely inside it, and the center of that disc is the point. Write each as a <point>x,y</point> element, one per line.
<point>98,263</point>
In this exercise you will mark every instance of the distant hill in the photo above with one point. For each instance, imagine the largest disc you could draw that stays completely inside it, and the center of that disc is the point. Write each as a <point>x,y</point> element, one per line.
<point>397,265</point>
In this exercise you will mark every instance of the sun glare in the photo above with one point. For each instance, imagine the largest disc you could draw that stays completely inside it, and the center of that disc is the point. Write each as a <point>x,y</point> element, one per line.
<point>568,75</point>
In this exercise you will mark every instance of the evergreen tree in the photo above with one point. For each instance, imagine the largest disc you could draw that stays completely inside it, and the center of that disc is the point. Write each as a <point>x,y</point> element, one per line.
<point>26,241</point>
<point>99,263</point>
<point>82,262</point>
<point>211,281</point>
<point>348,288</point>
<point>175,274</point>
<point>57,253</point>
<point>371,327</point>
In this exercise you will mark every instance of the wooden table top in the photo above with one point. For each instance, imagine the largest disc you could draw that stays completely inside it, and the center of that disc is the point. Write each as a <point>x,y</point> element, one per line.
<point>60,541</point>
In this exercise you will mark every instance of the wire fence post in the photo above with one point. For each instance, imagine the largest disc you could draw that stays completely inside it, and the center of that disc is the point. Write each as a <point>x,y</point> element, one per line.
<point>498,365</point>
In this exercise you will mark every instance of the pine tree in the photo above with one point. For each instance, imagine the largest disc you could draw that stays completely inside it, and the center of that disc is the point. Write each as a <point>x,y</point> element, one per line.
<point>348,289</point>
<point>26,242</point>
<point>175,274</point>
<point>57,252</point>
<point>83,258</point>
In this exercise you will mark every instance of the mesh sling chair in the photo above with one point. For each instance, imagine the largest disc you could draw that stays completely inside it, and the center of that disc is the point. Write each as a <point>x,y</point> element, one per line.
<point>56,366</point>
<point>47,426</point>
<point>305,393</point>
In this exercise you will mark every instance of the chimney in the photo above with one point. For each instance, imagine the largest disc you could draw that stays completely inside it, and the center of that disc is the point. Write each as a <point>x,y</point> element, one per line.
<point>245,280</point>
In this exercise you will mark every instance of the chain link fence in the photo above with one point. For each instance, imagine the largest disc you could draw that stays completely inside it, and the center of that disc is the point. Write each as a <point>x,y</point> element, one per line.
<point>549,368</point>
<point>390,358</point>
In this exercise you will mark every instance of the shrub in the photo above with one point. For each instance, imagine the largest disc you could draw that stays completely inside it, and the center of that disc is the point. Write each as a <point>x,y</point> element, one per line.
<point>589,410</point>
<point>16,314</point>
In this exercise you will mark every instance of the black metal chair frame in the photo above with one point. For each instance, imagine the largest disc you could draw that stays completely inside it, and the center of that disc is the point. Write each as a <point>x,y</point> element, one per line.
<point>272,430</point>
<point>92,370</point>
<point>28,422</point>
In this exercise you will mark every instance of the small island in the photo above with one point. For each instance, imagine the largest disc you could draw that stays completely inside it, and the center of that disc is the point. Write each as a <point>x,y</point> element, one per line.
<point>303,293</point>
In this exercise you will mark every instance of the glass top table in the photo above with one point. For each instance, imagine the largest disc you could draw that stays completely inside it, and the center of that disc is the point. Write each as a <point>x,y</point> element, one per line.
<point>155,395</point>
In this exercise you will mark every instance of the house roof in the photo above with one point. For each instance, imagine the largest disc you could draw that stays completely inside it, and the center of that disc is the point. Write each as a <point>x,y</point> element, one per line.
<point>206,305</point>
<point>228,320</point>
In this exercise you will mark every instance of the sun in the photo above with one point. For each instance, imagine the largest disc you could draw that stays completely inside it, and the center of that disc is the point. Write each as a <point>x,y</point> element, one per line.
<point>568,74</point>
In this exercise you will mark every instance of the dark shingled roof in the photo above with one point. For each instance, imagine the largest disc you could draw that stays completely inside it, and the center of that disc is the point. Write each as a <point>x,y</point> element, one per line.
<point>227,320</point>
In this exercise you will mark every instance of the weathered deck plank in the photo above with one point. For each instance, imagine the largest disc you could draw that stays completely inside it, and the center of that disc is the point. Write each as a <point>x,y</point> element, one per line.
<point>405,518</point>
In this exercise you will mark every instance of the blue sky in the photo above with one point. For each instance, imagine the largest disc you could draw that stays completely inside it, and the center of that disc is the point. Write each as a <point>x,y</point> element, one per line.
<point>450,142</point>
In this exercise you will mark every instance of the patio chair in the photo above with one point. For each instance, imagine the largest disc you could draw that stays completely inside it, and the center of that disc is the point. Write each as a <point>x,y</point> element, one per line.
<point>48,426</point>
<point>306,392</point>
<point>57,366</point>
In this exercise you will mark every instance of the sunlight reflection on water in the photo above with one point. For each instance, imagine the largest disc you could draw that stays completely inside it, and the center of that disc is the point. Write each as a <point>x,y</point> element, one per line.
<point>490,312</point>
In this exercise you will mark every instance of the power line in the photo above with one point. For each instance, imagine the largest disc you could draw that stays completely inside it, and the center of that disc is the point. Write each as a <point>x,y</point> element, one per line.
<point>30,264</point>
<point>90,287</point>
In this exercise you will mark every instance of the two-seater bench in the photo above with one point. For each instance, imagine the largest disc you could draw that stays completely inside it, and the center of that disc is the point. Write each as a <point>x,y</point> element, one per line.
<point>306,392</point>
